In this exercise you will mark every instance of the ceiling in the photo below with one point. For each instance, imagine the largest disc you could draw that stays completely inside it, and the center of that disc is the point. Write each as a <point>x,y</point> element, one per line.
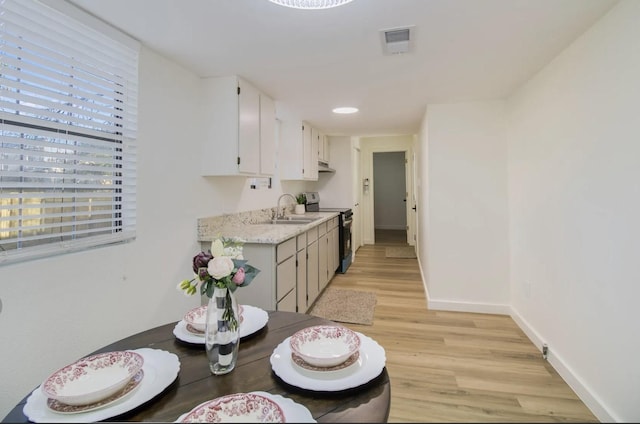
<point>315,60</point>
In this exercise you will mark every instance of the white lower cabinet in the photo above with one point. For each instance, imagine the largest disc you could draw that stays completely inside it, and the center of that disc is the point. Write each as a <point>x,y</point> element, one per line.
<point>328,252</point>
<point>301,272</point>
<point>334,249</point>
<point>292,273</point>
<point>323,258</point>
<point>313,289</point>
<point>286,276</point>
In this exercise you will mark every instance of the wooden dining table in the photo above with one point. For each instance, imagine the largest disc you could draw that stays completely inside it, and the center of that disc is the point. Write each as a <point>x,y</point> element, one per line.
<point>368,402</point>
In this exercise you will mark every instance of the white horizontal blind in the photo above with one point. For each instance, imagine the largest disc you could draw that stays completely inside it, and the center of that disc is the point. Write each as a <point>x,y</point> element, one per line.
<point>68,122</point>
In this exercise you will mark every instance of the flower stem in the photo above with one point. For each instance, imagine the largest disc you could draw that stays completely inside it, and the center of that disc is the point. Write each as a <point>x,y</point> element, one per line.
<point>228,313</point>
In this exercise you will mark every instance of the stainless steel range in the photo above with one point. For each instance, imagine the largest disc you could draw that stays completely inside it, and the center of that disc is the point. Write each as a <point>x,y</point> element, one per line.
<point>345,218</point>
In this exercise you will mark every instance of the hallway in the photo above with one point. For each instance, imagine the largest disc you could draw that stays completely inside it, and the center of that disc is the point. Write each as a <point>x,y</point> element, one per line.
<point>391,237</point>
<point>453,366</point>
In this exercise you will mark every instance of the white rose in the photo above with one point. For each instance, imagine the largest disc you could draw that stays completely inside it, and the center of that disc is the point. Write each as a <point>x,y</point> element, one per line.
<point>220,267</point>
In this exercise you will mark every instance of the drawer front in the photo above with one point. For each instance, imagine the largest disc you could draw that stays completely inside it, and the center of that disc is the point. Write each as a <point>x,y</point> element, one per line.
<point>286,249</point>
<point>302,241</point>
<point>312,235</point>
<point>322,228</point>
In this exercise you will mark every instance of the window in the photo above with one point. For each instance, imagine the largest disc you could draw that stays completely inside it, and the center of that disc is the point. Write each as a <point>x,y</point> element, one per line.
<point>68,121</point>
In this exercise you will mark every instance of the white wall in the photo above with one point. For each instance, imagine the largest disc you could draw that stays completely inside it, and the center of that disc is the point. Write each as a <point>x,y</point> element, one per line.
<point>573,205</point>
<point>421,188</point>
<point>574,190</point>
<point>57,310</point>
<point>466,223</point>
<point>335,188</point>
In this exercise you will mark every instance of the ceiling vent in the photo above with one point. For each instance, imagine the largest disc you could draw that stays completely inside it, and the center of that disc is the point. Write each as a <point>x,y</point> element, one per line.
<point>397,40</point>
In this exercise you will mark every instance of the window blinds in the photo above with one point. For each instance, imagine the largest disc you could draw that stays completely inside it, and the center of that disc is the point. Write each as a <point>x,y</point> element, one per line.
<point>68,122</point>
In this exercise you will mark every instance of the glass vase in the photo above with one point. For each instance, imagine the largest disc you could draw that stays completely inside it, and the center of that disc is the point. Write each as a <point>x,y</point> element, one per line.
<point>222,337</point>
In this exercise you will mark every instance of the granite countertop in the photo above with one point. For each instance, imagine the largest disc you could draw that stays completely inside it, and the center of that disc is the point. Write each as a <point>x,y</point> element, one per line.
<point>253,227</point>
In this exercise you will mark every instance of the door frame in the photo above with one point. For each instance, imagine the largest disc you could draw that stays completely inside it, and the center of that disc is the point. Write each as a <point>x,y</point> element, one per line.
<point>356,241</point>
<point>369,146</point>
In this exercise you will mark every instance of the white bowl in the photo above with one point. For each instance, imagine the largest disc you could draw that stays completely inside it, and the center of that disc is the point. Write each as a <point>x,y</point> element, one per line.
<point>93,378</point>
<point>197,318</point>
<point>238,407</point>
<point>324,345</point>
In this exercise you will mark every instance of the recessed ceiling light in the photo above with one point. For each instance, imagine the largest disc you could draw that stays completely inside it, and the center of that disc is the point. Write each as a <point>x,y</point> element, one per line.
<point>345,110</point>
<point>310,4</point>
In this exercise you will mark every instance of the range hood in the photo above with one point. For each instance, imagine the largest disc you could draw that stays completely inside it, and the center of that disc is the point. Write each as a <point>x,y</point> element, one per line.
<point>324,167</point>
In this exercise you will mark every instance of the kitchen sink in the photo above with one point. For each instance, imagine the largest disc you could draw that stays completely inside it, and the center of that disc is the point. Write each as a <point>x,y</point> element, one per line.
<point>291,220</point>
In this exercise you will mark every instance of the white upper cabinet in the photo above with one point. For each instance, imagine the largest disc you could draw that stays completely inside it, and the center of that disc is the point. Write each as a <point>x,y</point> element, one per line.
<point>310,151</point>
<point>297,150</point>
<point>267,135</point>
<point>323,148</point>
<point>239,121</point>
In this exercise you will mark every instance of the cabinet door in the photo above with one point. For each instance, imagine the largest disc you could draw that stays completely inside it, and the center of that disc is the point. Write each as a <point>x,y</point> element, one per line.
<point>290,143</point>
<point>324,142</point>
<point>301,281</point>
<point>267,135</point>
<point>249,128</point>
<point>315,139</point>
<point>307,151</point>
<point>286,278</point>
<point>321,147</point>
<point>288,303</point>
<point>312,272</point>
<point>323,266</point>
<point>334,251</point>
<point>262,290</point>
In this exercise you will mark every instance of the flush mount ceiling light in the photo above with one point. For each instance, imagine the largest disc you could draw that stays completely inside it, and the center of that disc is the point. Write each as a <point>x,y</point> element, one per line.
<point>345,110</point>
<point>310,4</point>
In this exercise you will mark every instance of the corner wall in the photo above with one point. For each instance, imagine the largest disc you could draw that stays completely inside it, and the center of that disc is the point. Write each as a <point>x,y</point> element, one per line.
<point>466,223</point>
<point>574,207</point>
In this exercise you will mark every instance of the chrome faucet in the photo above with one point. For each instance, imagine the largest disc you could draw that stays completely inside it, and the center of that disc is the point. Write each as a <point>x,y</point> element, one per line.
<point>278,205</point>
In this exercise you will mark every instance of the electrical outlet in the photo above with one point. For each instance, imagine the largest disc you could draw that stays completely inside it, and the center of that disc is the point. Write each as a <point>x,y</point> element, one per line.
<point>545,351</point>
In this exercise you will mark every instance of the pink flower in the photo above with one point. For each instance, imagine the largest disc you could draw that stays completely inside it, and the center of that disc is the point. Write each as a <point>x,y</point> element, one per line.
<point>239,277</point>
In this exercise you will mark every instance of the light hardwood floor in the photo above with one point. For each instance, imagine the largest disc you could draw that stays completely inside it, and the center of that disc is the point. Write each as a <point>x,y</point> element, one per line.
<point>453,366</point>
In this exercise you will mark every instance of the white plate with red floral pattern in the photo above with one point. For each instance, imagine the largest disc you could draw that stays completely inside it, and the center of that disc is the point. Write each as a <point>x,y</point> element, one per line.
<point>253,319</point>
<point>293,411</point>
<point>160,369</point>
<point>367,365</point>
<point>236,407</point>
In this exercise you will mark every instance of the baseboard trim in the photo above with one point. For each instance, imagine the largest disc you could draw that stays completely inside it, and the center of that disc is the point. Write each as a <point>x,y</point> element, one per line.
<point>457,306</point>
<point>591,401</point>
<point>594,404</point>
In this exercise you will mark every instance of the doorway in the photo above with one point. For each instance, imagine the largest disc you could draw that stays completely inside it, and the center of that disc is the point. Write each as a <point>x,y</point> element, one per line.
<point>401,145</point>
<point>390,196</point>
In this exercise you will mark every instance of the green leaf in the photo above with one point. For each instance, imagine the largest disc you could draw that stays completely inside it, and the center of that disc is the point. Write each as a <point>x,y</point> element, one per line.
<point>250,273</point>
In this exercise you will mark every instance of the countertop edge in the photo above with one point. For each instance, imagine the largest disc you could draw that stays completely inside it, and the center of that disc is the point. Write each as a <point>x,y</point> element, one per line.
<point>263,233</point>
